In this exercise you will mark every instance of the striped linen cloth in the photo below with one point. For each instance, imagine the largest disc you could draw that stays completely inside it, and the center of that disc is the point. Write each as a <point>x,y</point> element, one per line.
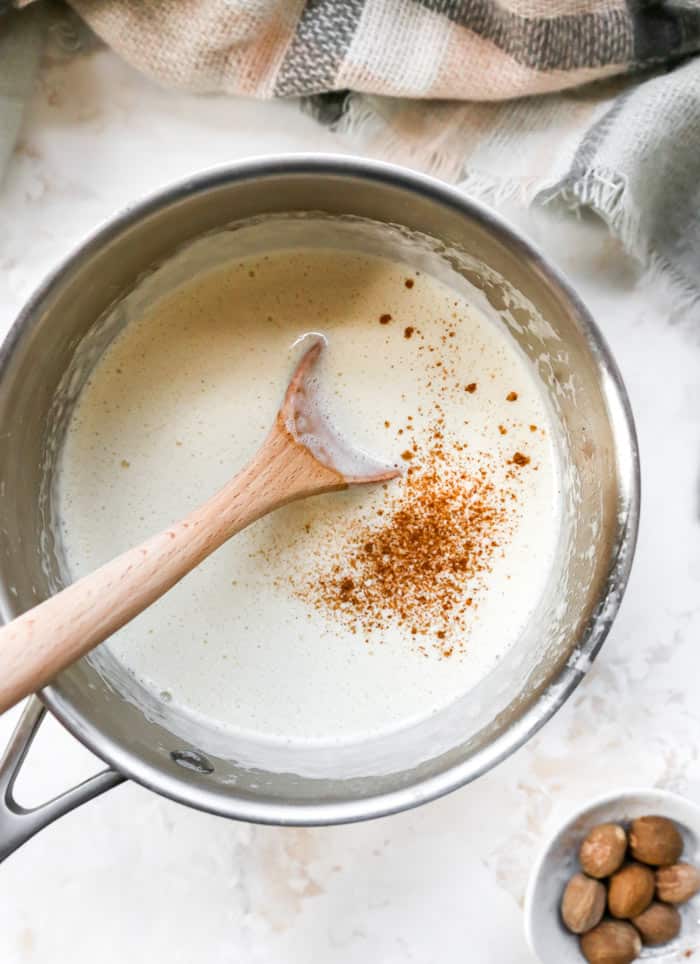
<point>585,102</point>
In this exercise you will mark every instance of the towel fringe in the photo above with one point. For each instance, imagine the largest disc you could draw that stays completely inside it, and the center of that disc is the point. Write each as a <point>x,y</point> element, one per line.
<point>372,134</point>
<point>606,193</point>
<point>497,191</point>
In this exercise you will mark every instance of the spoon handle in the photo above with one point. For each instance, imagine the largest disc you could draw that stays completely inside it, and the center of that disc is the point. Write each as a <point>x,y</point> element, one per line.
<point>44,640</point>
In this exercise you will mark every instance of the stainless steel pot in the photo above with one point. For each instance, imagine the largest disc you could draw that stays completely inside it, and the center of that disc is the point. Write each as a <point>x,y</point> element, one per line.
<point>536,677</point>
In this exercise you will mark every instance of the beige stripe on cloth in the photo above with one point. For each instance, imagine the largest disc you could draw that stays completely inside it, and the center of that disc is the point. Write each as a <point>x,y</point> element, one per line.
<point>203,45</point>
<point>377,59</point>
<point>549,9</point>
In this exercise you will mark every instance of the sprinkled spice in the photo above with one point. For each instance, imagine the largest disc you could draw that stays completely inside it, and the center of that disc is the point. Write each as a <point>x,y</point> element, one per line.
<point>420,562</point>
<point>125,464</point>
<point>409,282</point>
<point>346,589</point>
<point>439,535</point>
<point>533,428</point>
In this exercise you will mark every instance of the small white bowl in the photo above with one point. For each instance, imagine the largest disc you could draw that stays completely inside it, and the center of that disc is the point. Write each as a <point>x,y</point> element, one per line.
<point>548,938</point>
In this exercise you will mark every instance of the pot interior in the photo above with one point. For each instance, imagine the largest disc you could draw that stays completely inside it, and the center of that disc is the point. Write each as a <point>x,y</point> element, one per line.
<point>151,251</point>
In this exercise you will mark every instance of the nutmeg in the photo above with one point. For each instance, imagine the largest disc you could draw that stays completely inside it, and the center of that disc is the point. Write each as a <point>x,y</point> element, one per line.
<point>583,904</point>
<point>631,890</point>
<point>658,923</point>
<point>611,942</point>
<point>677,883</point>
<point>655,840</point>
<point>603,850</point>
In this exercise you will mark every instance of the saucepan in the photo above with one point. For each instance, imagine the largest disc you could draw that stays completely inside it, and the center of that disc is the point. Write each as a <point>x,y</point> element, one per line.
<point>386,210</point>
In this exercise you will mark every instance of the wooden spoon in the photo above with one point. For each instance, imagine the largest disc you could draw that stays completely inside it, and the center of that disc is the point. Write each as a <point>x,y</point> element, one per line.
<point>301,456</point>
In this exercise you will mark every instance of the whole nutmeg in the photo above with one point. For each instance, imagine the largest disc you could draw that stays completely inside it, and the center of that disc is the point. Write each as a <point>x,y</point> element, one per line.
<point>678,883</point>
<point>655,840</point>
<point>583,903</point>
<point>658,923</point>
<point>603,850</point>
<point>631,890</point>
<point>611,942</point>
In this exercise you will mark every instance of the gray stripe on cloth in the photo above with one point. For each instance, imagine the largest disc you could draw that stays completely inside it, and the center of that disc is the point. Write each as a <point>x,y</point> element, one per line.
<point>639,169</point>
<point>322,38</point>
<point>567,42</point>
<point>583,160</point>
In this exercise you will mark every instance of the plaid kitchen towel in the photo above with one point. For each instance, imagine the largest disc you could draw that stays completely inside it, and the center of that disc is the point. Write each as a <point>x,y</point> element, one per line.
<point>506,97</point>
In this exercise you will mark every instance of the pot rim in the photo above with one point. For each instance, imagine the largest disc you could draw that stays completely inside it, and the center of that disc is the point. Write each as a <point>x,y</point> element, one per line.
<point>211,799</point>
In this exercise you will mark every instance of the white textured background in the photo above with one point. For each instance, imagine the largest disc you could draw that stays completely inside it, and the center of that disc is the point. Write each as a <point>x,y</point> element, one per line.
<point>134,878</point>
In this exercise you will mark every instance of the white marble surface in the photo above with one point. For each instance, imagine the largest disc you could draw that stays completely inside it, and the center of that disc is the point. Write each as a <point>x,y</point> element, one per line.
<point>134,877</point>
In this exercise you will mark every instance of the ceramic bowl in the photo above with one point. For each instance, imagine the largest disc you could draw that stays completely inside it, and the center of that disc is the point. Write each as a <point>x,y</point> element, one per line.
<point>549,940</point>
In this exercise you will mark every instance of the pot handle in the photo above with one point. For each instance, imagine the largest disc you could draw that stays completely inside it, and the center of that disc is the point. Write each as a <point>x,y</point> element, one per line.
<point>18,824</point>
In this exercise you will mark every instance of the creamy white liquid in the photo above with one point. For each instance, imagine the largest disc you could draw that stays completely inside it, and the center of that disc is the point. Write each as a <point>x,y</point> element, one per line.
<point>181,400</point>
